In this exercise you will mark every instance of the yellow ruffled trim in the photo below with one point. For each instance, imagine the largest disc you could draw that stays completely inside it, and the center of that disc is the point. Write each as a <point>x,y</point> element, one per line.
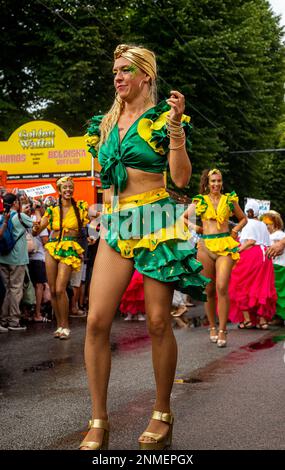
<point>177,231</point>
<point>83,212</point>
<point>200,204</point>
<point>147,126</point>
<point>232,198</point>
<point>137,200</point>
<point>221,246</point>
<point>72,261</point>
<point>92,140</point>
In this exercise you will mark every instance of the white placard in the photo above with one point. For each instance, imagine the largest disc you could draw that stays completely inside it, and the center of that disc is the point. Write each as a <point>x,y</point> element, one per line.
<point>264,206</point>
<point>43,190</point>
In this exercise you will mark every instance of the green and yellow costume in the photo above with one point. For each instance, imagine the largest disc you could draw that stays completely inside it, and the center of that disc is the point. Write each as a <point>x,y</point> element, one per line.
<point>67,249</point>
<point>222,244</point>
<point>147,227</point>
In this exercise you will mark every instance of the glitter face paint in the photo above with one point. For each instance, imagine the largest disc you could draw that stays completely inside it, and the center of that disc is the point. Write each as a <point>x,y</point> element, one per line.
<point>131,69</point>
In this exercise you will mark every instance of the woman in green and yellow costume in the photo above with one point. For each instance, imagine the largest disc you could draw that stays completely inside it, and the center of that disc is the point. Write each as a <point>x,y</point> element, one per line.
<point>63,252</point>
<point>135,141</point>
<point>218,248</point>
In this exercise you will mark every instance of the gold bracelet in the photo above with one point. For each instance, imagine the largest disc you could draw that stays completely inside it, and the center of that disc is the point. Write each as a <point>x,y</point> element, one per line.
<point>174,128</point>
<point>175,134</point>
<point>178,147</point>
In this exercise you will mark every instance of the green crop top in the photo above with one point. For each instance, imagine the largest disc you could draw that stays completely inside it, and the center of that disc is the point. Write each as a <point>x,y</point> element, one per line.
<point>144,147</point>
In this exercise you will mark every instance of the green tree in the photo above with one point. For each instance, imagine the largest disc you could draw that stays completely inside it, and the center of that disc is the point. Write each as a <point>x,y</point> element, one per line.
<point>226,57</point>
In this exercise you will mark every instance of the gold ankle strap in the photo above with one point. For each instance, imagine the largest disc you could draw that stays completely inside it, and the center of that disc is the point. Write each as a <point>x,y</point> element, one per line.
<point>99,424</point>
<point>165,417</point>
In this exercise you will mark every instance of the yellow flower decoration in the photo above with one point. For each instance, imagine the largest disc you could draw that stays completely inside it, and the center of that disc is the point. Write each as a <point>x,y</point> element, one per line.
<point>147,126</point>
<point>147,130</point>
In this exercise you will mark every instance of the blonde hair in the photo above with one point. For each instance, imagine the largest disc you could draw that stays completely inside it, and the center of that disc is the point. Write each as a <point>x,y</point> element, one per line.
<point>145,60</point>
<point>273,217</point>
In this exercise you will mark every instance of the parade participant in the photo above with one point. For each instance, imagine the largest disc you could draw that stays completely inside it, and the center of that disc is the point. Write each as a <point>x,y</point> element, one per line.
<point>275,227</point>
<point>136,139</point>
<point>252,290</point>
<point>132,302</point>
<point>13,263</point>
<point>218,248</point>
<point>63,252</point>
<point>277,249</point>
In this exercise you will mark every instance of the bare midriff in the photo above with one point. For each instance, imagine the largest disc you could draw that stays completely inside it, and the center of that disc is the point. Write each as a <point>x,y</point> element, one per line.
<point>138,182</point>
<point>210,227</point>
<point>65,233</point>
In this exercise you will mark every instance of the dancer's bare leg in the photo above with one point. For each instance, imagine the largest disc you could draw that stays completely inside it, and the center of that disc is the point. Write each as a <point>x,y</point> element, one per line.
<point>63,276</point>
<point>158,304</point>
<point>209,270</point>
<point>224,265</point>
<point>110,278</point>
<point>51,270</point>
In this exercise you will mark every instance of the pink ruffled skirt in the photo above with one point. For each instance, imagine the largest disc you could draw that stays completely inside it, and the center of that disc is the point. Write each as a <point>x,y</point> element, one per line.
<point>133,298</point>
<point>252,286</point>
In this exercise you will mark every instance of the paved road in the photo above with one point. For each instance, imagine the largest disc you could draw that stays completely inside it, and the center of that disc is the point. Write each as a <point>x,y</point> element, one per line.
<point>230,398</point>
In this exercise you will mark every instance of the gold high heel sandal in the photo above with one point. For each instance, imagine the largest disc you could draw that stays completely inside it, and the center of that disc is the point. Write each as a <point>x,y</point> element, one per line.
<point>221,343</point>
<point>213,338</point>
<point>93,445</point>
<point>160,441</point>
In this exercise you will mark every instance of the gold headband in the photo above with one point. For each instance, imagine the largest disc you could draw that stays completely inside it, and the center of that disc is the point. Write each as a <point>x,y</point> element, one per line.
<point>64,179</point>
<point>141,57</point>
<point>214,171</point>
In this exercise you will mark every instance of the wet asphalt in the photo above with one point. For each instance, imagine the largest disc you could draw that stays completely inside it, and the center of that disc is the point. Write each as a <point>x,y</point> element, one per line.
<point>223,398</point>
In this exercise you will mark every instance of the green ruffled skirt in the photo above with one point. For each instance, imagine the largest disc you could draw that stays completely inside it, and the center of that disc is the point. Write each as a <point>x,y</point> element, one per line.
<point>279,272</point>
<point>149,228</point>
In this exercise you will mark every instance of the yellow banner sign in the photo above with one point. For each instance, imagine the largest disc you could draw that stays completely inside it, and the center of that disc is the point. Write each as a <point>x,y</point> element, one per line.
<point>41,149</point>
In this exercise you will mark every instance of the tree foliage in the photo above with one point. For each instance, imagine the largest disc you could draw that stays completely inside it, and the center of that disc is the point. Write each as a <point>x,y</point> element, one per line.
<point>226,57</point>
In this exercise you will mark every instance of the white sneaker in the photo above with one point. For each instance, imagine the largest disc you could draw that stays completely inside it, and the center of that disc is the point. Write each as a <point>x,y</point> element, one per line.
<point>129,317</point>
<point>3,329</point>
<point>57,332</point>
<point>17,328</point>
<point>141,317</point>
<point>65,333</point>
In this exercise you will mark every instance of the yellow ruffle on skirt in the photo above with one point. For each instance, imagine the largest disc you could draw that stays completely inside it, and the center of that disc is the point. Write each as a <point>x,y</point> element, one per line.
<point>66,251</point>
<point>222,246</point>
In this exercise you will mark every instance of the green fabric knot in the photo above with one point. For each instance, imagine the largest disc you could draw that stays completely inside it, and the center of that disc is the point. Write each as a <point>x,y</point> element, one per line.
<point>114,173</point>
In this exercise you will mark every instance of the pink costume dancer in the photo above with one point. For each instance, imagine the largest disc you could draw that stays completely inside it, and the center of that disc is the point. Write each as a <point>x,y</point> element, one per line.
<point>132,301</point>
<point>251,290</point>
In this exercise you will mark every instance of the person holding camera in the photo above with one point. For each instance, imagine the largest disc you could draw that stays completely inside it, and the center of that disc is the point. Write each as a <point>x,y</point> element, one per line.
<point>13,264</point>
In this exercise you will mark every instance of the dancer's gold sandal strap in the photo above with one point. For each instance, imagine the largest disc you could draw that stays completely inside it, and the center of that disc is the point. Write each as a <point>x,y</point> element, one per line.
<point>92,445</point>
<point>153,435</point>
<point>99,424</point>
<point>165,417</point>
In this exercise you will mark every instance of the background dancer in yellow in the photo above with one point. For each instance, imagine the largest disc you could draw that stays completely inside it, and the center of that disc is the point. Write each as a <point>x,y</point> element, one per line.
<point>218,249</point>
<point>63,252</point>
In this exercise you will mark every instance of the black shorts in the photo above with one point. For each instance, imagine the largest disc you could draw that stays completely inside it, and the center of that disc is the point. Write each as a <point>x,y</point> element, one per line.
<point>37,270</point>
